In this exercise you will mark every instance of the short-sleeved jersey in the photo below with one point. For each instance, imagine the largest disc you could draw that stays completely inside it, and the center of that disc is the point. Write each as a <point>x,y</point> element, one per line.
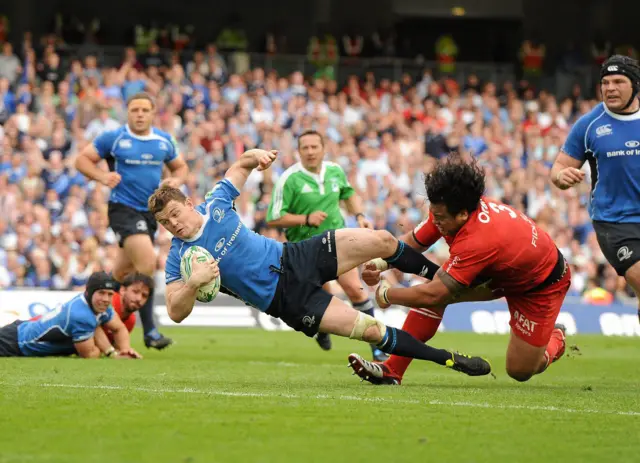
<point>128,319</point>
<point>138,159</point>
<point>611,144</point>
<point>497,243</point>
<point>248,262</point>
<point>55,332</point>
<point>299,191</point>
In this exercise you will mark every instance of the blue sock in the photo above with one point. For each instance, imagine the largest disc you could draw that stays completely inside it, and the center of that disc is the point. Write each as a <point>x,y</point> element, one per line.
<point>408,260</point>
<point>146,317</point>
<point>399,342</point>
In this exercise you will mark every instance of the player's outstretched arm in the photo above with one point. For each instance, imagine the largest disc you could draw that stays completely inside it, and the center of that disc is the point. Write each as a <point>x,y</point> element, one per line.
<point>121,336</point>
<point>251,159</point>
<point>443,289</point>
<point>102,341</point>
<point>87,349</point>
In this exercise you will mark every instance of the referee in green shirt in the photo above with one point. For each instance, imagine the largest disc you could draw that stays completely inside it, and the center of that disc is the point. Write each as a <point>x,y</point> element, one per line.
<point>306,202</point>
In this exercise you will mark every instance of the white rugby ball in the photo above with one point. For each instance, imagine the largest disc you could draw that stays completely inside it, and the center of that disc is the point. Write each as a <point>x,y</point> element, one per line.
<point>208,292</point>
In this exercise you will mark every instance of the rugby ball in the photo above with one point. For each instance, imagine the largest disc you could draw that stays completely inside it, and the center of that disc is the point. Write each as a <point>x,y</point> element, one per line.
<point>208,292</point>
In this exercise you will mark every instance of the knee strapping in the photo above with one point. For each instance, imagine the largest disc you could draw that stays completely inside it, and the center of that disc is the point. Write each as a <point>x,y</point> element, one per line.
<point>364,322</point>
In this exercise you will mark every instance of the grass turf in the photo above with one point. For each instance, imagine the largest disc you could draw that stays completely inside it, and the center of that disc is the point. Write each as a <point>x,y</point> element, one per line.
<point>222,395</point>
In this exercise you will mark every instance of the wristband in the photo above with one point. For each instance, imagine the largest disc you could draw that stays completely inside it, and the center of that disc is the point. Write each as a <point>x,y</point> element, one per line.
<point>384,295</point>
<point>306,221</point>
<point>359,214</point>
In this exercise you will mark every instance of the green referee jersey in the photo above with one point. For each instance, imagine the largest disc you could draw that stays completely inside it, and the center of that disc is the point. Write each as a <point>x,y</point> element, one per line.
<point>299,191</point>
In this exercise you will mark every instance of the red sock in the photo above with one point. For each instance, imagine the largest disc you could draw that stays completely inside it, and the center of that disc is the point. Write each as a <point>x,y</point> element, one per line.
<point>554,346</point>
<point>422,327</point>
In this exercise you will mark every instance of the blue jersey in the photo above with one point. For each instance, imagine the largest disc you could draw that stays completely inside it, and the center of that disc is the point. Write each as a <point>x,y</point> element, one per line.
<point>248,262</point>
<point>138,159</point>
<point>55,332</point>
<point>611,144</point>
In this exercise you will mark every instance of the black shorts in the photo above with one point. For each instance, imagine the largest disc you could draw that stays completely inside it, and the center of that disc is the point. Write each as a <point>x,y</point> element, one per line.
<point>620,243</point>
<point>126,221</point>
<point>300,301</point>
<point>9,340</point>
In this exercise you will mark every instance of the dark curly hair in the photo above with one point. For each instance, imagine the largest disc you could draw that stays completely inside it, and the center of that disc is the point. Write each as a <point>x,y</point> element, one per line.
<point>456,184</point>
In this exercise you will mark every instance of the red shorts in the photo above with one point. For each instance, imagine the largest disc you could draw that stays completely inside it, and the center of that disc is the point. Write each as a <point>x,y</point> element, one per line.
<point>533,316</point>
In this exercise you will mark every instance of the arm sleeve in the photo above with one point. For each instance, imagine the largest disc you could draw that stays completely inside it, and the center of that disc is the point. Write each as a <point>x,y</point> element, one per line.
<point>103,143</point>
<point>468,259</point>
<point>280,200</point>
<point>426,233</point>
<point>224,190</point>
<point>107,316</point>
<point>576,143</point>
<point>346,190</point>
<point>172,267</point>
<point>82,328</point>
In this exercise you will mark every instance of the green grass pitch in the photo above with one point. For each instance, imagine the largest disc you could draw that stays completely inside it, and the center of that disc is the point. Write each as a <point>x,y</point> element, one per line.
<point>240,395</point>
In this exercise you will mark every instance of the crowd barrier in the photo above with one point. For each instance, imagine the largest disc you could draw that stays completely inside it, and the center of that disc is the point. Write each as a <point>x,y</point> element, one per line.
<point>479,317</point>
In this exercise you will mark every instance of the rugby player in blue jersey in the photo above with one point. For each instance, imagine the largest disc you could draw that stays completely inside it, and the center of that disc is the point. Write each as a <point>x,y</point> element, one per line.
<point>608,137</point>
<point>70,328</point>
<point>285,280</point>
<point>135,154</point>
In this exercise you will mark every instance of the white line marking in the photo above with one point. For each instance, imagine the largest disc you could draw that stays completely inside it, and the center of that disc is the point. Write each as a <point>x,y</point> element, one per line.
<point>214,392</point>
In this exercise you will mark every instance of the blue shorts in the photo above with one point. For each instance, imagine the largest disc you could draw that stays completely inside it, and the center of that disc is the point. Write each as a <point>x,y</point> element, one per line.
<point>299,300</point>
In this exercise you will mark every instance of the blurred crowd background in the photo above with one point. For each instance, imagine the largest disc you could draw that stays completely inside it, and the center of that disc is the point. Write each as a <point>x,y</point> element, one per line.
<point>386,122</point>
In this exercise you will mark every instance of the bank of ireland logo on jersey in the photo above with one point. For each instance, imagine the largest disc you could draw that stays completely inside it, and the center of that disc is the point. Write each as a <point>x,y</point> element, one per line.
<point>219,244</point>
<point>632,144</point>
<point>604,130</point>
<point>624,253</point>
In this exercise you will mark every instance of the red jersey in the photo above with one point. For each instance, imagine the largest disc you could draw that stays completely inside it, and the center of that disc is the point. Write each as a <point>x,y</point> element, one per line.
<point>129,321</point>
<point>499,243</point>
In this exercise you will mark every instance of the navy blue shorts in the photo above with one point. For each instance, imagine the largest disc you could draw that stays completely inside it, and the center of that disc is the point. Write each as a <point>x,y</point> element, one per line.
<point>620,243</point>
<point>9,340</point>
<point>299,300</point>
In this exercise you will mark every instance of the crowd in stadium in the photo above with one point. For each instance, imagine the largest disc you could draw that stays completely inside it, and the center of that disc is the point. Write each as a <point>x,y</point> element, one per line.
<point>385,134</point>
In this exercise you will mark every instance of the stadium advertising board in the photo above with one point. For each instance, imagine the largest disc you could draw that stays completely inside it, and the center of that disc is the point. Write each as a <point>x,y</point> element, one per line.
<point>480,317</point>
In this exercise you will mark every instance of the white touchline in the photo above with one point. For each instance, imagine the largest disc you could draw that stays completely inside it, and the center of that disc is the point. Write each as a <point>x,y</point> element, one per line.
<point>546,408</point>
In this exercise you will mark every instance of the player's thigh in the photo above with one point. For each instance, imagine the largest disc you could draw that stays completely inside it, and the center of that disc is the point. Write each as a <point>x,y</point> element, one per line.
<point>139,249</point>
<point>523,359</point>
<point>633,277</point>
<point>353,286</point>
<point>355,246</point>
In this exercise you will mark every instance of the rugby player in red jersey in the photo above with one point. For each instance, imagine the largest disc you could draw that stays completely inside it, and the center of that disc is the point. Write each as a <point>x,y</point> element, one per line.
<point>133,294</point>
<point>491,242</point>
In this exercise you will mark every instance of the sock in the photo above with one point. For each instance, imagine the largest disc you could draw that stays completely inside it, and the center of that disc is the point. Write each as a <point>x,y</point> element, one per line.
<point>422,327</point>
<point>408,260</point>
<point>366,306</point>
<point>146,317</point>
<point>554,346</point>
<point>396,341</point>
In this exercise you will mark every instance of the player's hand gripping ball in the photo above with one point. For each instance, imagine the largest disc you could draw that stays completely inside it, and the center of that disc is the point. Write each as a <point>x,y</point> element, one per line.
<point>199,263</point>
